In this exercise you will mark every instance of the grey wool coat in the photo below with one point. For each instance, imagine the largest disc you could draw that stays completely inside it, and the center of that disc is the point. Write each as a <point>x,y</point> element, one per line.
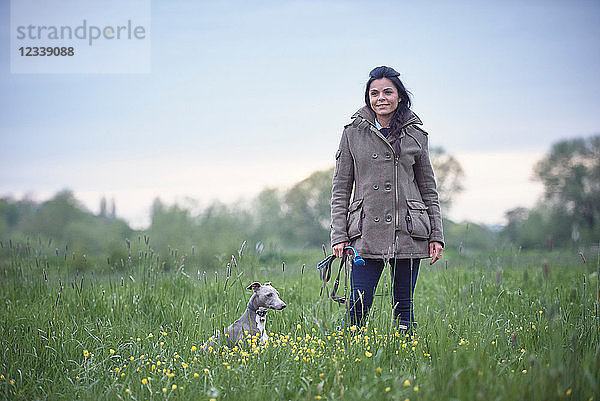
<point>395,211</point>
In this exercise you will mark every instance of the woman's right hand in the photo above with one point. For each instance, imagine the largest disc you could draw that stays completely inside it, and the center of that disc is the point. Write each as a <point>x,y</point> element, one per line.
<point>338,249</point>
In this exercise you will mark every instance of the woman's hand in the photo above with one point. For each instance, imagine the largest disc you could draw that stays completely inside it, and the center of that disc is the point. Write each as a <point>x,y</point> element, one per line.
<point>338,249</point>
<point>435,251</point>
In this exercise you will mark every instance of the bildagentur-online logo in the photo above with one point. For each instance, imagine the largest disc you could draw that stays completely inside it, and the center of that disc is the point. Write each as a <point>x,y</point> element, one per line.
<point>84,32</point>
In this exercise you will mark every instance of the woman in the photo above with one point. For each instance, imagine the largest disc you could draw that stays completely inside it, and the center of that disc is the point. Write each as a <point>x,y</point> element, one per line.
<point>394,215</point>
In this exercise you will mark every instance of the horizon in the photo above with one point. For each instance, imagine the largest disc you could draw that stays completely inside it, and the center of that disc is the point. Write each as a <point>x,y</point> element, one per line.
<point>138,218</point>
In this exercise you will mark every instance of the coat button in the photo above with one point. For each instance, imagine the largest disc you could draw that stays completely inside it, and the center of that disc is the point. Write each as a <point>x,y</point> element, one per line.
<point>376,219</point>
<point>375,187</point>
<point>388,186</point>
<point>374,156</point>
<point>388,218</point>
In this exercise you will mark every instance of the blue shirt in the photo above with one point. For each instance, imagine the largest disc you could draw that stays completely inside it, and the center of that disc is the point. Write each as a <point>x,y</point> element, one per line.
<point>384,131</point>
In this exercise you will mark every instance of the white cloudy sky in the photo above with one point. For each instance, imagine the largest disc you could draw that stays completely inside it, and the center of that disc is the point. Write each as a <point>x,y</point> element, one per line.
<point>243,95</point>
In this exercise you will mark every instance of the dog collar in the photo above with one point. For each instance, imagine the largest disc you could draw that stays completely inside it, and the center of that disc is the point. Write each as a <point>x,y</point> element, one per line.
<point>261,313</point>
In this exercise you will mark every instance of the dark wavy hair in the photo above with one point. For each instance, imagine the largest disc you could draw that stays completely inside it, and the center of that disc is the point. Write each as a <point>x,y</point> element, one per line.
<point>403,110</point>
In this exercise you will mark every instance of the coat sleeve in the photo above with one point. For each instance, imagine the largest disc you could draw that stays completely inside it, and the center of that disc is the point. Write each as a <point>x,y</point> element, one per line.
<point>343,182</point>
<point>426,183</point>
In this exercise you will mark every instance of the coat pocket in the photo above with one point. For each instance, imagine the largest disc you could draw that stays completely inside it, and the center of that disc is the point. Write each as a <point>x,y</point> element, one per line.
<point>417,219</point>
<point>355,217</point>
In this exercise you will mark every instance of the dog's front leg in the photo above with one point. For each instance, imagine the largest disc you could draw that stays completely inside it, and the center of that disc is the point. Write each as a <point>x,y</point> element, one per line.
<point>264,338</point>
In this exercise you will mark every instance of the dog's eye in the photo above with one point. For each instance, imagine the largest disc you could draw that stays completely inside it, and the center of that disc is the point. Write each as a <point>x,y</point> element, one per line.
<point>270,294</point>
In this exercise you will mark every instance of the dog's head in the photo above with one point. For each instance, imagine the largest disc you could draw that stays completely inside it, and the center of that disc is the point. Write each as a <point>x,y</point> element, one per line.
<point>266,296</point>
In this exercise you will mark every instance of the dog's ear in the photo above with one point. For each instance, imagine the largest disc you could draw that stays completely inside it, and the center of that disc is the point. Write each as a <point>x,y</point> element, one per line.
<point>254,286</point>
<point>268,283</point>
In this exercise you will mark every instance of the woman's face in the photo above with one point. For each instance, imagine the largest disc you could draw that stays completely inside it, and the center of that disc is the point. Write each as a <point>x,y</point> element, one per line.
<point>383,97</point>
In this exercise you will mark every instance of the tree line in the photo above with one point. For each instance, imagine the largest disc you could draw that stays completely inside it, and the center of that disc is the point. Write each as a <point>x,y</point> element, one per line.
<point>568,215</point>
<point>278,219</point>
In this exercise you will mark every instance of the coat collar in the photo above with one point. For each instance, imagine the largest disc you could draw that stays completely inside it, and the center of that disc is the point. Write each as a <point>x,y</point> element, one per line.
<point>369,115</point>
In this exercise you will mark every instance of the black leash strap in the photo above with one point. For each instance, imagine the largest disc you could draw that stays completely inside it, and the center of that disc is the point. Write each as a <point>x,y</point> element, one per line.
<point>325,267</point>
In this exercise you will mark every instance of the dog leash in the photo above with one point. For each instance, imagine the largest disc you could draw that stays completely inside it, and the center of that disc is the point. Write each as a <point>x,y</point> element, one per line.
<point>326,265</point>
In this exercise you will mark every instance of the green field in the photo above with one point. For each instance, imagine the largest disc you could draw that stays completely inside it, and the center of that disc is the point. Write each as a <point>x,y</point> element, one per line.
<point>499,326</point>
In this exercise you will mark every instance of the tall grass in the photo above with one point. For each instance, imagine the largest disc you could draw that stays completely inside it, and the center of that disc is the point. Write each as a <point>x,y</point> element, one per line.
<point>506,327</point>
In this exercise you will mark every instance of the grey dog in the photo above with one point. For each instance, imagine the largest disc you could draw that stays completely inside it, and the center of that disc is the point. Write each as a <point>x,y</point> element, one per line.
<point>252,321</point>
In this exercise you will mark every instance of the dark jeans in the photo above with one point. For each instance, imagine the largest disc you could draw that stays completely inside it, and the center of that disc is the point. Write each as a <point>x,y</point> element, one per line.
<point>364,282</point>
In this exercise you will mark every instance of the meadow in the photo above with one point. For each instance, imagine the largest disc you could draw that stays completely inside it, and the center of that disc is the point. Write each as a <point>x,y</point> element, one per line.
<point>501,325</point>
